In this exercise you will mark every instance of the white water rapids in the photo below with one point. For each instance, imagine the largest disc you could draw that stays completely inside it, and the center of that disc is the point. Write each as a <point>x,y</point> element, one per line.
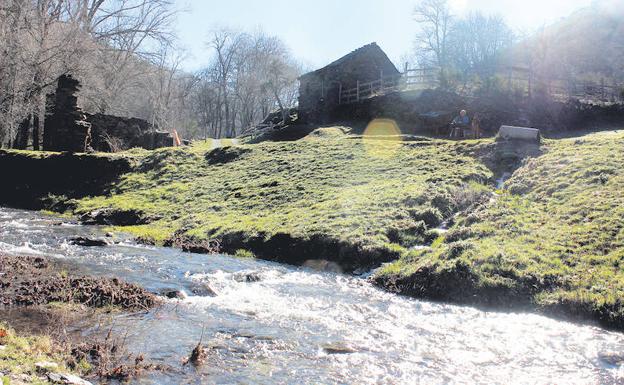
<point>277,324</point>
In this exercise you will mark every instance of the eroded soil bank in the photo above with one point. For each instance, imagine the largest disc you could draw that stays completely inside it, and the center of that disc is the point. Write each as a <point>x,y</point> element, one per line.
<point>552,238</point>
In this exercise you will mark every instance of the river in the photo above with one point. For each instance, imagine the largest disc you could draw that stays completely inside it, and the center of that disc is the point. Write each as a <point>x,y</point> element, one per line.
<point>276,324</point>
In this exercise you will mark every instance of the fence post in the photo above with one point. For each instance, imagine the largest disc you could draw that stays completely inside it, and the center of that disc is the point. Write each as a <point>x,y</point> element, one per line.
<point>358,90</point>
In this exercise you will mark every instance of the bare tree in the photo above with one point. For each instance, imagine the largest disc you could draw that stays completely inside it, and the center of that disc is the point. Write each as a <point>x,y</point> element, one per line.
<point>249,75</point>
<point>39,47</point>
<point>106,43</point>
<point>477,44</point>
<point>124,33</point>
<point>434,18</point>
<point>227,45</point>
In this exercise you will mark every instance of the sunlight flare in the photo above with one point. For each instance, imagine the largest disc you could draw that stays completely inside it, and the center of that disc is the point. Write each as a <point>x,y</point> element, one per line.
<point>382,138</point>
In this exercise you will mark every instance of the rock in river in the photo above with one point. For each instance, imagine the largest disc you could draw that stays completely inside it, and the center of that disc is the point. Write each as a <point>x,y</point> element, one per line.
<point>87,242</point>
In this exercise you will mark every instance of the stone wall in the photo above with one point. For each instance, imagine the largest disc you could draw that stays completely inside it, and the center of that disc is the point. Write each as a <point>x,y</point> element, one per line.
<point>113,133</point>
<point>66,127</point>
<point>416,112</point>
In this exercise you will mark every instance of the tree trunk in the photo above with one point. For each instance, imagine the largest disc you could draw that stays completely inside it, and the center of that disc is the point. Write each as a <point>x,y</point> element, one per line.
<point>285,114</point>
<point>36,132</point>
<point>23,131</point>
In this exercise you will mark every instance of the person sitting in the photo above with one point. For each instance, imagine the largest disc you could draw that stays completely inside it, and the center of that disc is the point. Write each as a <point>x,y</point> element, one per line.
<point>458,124</point>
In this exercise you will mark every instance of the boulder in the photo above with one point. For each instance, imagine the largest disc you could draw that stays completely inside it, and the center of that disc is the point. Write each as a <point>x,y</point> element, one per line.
<point>46,366</point>
<point>521,133</point>
<point>87,242</point>
<point>338,348</point>
<point>203,290</point>
<point>67,379</point>
<point>172,294</point>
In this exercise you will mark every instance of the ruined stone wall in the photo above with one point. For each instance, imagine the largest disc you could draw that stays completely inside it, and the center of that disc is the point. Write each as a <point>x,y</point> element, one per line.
<point>416,112</point>
<point>66,127</point>
<point>113,133</point>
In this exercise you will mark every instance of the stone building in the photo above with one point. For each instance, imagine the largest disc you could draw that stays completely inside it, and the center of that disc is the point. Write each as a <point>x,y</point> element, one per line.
<point>68,128</point>
<point>319,90</point>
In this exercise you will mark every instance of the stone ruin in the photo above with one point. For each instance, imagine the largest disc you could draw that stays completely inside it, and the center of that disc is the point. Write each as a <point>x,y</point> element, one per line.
<point>68,128</point>
<point>113,133</point>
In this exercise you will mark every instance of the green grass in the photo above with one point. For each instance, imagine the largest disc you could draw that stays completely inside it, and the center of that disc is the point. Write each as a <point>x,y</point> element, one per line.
<point>371,193</point>
<point>21,353</point>
<point>554,236</point>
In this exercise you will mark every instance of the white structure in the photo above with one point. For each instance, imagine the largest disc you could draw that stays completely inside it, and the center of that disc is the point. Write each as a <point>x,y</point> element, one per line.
<point>524,133</point>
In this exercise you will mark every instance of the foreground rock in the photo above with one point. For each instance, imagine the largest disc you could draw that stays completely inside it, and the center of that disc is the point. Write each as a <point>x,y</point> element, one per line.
<point>67,379</point>
<point>87,242</point>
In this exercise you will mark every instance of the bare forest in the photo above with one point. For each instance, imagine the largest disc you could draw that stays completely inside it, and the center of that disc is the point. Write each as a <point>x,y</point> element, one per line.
<point>126,55</point>
<point>129,61</point>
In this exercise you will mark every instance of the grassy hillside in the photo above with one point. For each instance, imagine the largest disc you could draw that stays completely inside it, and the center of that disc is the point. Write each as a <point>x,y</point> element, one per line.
<point>554,237</point>
<point>347,199</point>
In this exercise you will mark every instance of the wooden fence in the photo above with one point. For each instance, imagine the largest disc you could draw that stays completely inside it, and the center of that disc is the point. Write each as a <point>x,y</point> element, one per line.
<point>410,79</point>
<point>526,84</point>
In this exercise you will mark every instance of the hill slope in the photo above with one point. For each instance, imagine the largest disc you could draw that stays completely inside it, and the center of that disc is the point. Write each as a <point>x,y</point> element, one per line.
<point>554,238</point>
<point>346,199</point>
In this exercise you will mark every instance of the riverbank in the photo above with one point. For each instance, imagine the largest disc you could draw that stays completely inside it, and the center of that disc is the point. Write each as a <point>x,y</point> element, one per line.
<point>41,351</point>
<point>353,201</point>
<point>550,239</point>
<point>29,281</point>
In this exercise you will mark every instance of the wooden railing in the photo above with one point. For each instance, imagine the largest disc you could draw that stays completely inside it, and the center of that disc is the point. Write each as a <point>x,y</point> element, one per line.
<point>410,79</point>
<point>527,84</point>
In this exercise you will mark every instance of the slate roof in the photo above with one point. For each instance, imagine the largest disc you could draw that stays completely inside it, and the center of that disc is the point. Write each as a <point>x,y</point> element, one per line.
<point>364,49</point>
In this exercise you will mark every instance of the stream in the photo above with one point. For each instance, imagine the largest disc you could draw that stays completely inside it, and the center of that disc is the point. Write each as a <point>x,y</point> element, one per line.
<point>277,324</point>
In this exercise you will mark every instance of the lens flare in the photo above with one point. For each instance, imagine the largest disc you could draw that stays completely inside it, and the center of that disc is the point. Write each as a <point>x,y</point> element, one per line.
<point>382,138</point>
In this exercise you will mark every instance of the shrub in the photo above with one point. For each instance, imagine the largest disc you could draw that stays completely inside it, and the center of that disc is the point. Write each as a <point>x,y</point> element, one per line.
<point>410,234</point>
<point>242,253</point>
<point>468,195</point>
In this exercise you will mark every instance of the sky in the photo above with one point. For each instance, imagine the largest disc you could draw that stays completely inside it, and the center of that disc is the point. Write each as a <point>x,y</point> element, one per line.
<point>321,31</point>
